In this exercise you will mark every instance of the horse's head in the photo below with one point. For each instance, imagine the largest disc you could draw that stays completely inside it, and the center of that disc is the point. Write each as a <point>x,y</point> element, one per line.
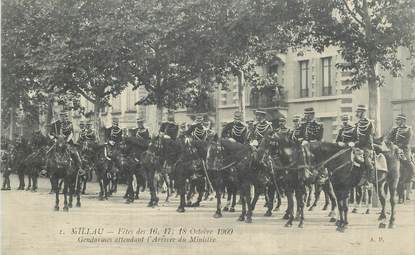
<point>61,141</point>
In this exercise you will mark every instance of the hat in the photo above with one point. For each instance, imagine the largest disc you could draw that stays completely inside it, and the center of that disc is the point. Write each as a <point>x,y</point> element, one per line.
<point>260,112</point>
<point>309,110</point>
<point>199,119</point>
<point>361,107</point>
<point>183,125</point>
<point>283,118</point>
<point>115,121</point>
<point>237,116</point>
<point>82,122</point>
<point>296,118</point>
<point>345,117</point>
<point>401,117</point>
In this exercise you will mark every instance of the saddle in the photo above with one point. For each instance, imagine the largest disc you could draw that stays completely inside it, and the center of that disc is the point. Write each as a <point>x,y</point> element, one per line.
<point>380,162</point>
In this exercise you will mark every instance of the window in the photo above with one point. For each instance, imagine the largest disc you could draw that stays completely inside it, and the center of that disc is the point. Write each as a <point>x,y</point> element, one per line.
<point>304,78</point>
<point>116,104</point>
<point>131,99</point>
<point>273,69</point>
<point>326,76</point>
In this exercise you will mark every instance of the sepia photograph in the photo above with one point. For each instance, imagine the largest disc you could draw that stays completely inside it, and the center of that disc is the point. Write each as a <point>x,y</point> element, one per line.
<point>207,127</point>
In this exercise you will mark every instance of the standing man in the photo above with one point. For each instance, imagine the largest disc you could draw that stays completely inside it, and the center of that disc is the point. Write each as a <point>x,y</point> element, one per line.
<point>401,136</point>
<point>169,129</point>
<point>141,131</point>
<point>310,130</point>
<point>363,139</point>
<point>236,130</point>
<point>345,135</point>
<point>260,129</point>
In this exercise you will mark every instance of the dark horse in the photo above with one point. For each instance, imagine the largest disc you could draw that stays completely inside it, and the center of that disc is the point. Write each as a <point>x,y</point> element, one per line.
<point>103,169</point>
<point>63,163</point>
<point>189,166</point>
<point>223,154</point>
<point>36,161</point>
<point>88,155</point>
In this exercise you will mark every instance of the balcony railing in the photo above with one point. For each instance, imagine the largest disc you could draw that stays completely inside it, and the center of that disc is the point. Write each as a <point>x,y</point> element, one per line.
<point>268,97</point>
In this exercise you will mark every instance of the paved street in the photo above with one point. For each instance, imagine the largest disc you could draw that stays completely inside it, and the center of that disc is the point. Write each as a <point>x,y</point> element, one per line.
<point>30,226</point>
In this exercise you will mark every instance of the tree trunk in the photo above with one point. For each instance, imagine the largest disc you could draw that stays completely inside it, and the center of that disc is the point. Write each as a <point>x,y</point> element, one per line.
<point>97,124</point>
<point>11,125</point>
<point>241,93</point>
<point>159,117</point>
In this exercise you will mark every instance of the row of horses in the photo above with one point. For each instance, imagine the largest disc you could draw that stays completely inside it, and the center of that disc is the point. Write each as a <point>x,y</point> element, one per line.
<point>278,167</point>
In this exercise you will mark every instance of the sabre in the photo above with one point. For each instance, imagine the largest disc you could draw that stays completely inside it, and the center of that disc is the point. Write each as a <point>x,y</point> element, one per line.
<point>207,176</point>
<point>273,176</point>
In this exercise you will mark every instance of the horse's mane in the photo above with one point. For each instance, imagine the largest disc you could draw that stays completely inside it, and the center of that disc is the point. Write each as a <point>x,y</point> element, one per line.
<point>235,150</point>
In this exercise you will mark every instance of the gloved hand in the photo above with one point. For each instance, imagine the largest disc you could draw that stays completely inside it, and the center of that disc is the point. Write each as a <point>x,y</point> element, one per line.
<point>231,139</point>
<point>167,136</point>
<point>351,144</point>
<point>341,144</point>
<point>254,143</point>
<point>304,143</point>
<point>111,142</point>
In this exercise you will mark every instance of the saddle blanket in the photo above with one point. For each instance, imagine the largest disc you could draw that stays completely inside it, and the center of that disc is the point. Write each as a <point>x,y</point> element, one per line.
<point>381,163</point>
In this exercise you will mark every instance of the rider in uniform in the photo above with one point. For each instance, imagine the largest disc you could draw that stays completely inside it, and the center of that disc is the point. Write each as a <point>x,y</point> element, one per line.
<point>295,132</point>
<point>345,135</point>
<point>197,130</point>
<point>401,136</point>
<point>114,133</point>
<point>141,131</point>
<point>310,130</point>
<point>169,129</point>
<point>62,127</point>
<point>363,139</point>
<point>282,127</point>
<point>260,129</point>
<point>87,134</point>
<point>236,130</point>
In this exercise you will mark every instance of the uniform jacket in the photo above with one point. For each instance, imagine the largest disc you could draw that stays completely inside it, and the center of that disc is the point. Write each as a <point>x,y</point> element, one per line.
<point>401,136</point>
<point>142,133</point>
<point>345,134</point>
<point>236,130</point>
<point>197,131</point>
<point>363,134</point>
<point>311,131</point>
<point>61,127</point>
<point>114,134</point>
<point>260,130</point>
<point>169,128</point>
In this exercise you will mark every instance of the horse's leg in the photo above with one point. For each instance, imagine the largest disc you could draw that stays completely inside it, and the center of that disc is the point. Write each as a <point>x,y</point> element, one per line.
<point>233,192</point>
<point>167,181</point>
<point>78,192</point>
<point>258,190</point>
<point>299,194</point>
<point>392,190</point>
<point>34,178</point>
<point>20,173</point>
<point>55,183</point>
<point>29,178</point>
<point>71,190</point>
<point>270,204</point>
<point>369,193</point>
<point>278,194</point>
<point>358,198</point>
<point>317,192</point>
<point>382,199</point>
<point>138,179</point>
<point>289,214</point>
<point>200,187</point>
<point>243,201</point>
<point>308,192</point>
<point>248,203</point>
<point>228,201</point>
<point>65,194</point>
<point>101,187</point>
<point>52,186</point>
<point>328,189</point>
<point>181,191</point>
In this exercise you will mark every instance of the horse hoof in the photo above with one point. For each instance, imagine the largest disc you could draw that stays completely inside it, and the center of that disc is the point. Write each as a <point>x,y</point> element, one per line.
<point>197,204</point>
<point>101,198</point>
<point>331,214</point>
<point>241,218</point>
<point>56,208</point>
<point>232,209</point>
<point>180,210</point>
<point>368,211</point>
<point>136,197</point>
<point>332,219</point>
<point>338,223</point>
<point>301,225</point>
<point>286,217</point>
<point>311,208</point>
<point>325,208</point>
<point>66,209</point>
<point>70,205</point>
<point>354,210</point>
<point>382,225</point>
<point>391,225</point>
<point>83,193</point>
<point>268,214</point>
<point>340,229</point>
<point>225,209</point>
<point>248,220</point>
<point>297,218</point>
<point>217,215</point>
<point>276,209</point>
<point>288,225</point>
<point>78,205</point>
<point>400,201</point>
